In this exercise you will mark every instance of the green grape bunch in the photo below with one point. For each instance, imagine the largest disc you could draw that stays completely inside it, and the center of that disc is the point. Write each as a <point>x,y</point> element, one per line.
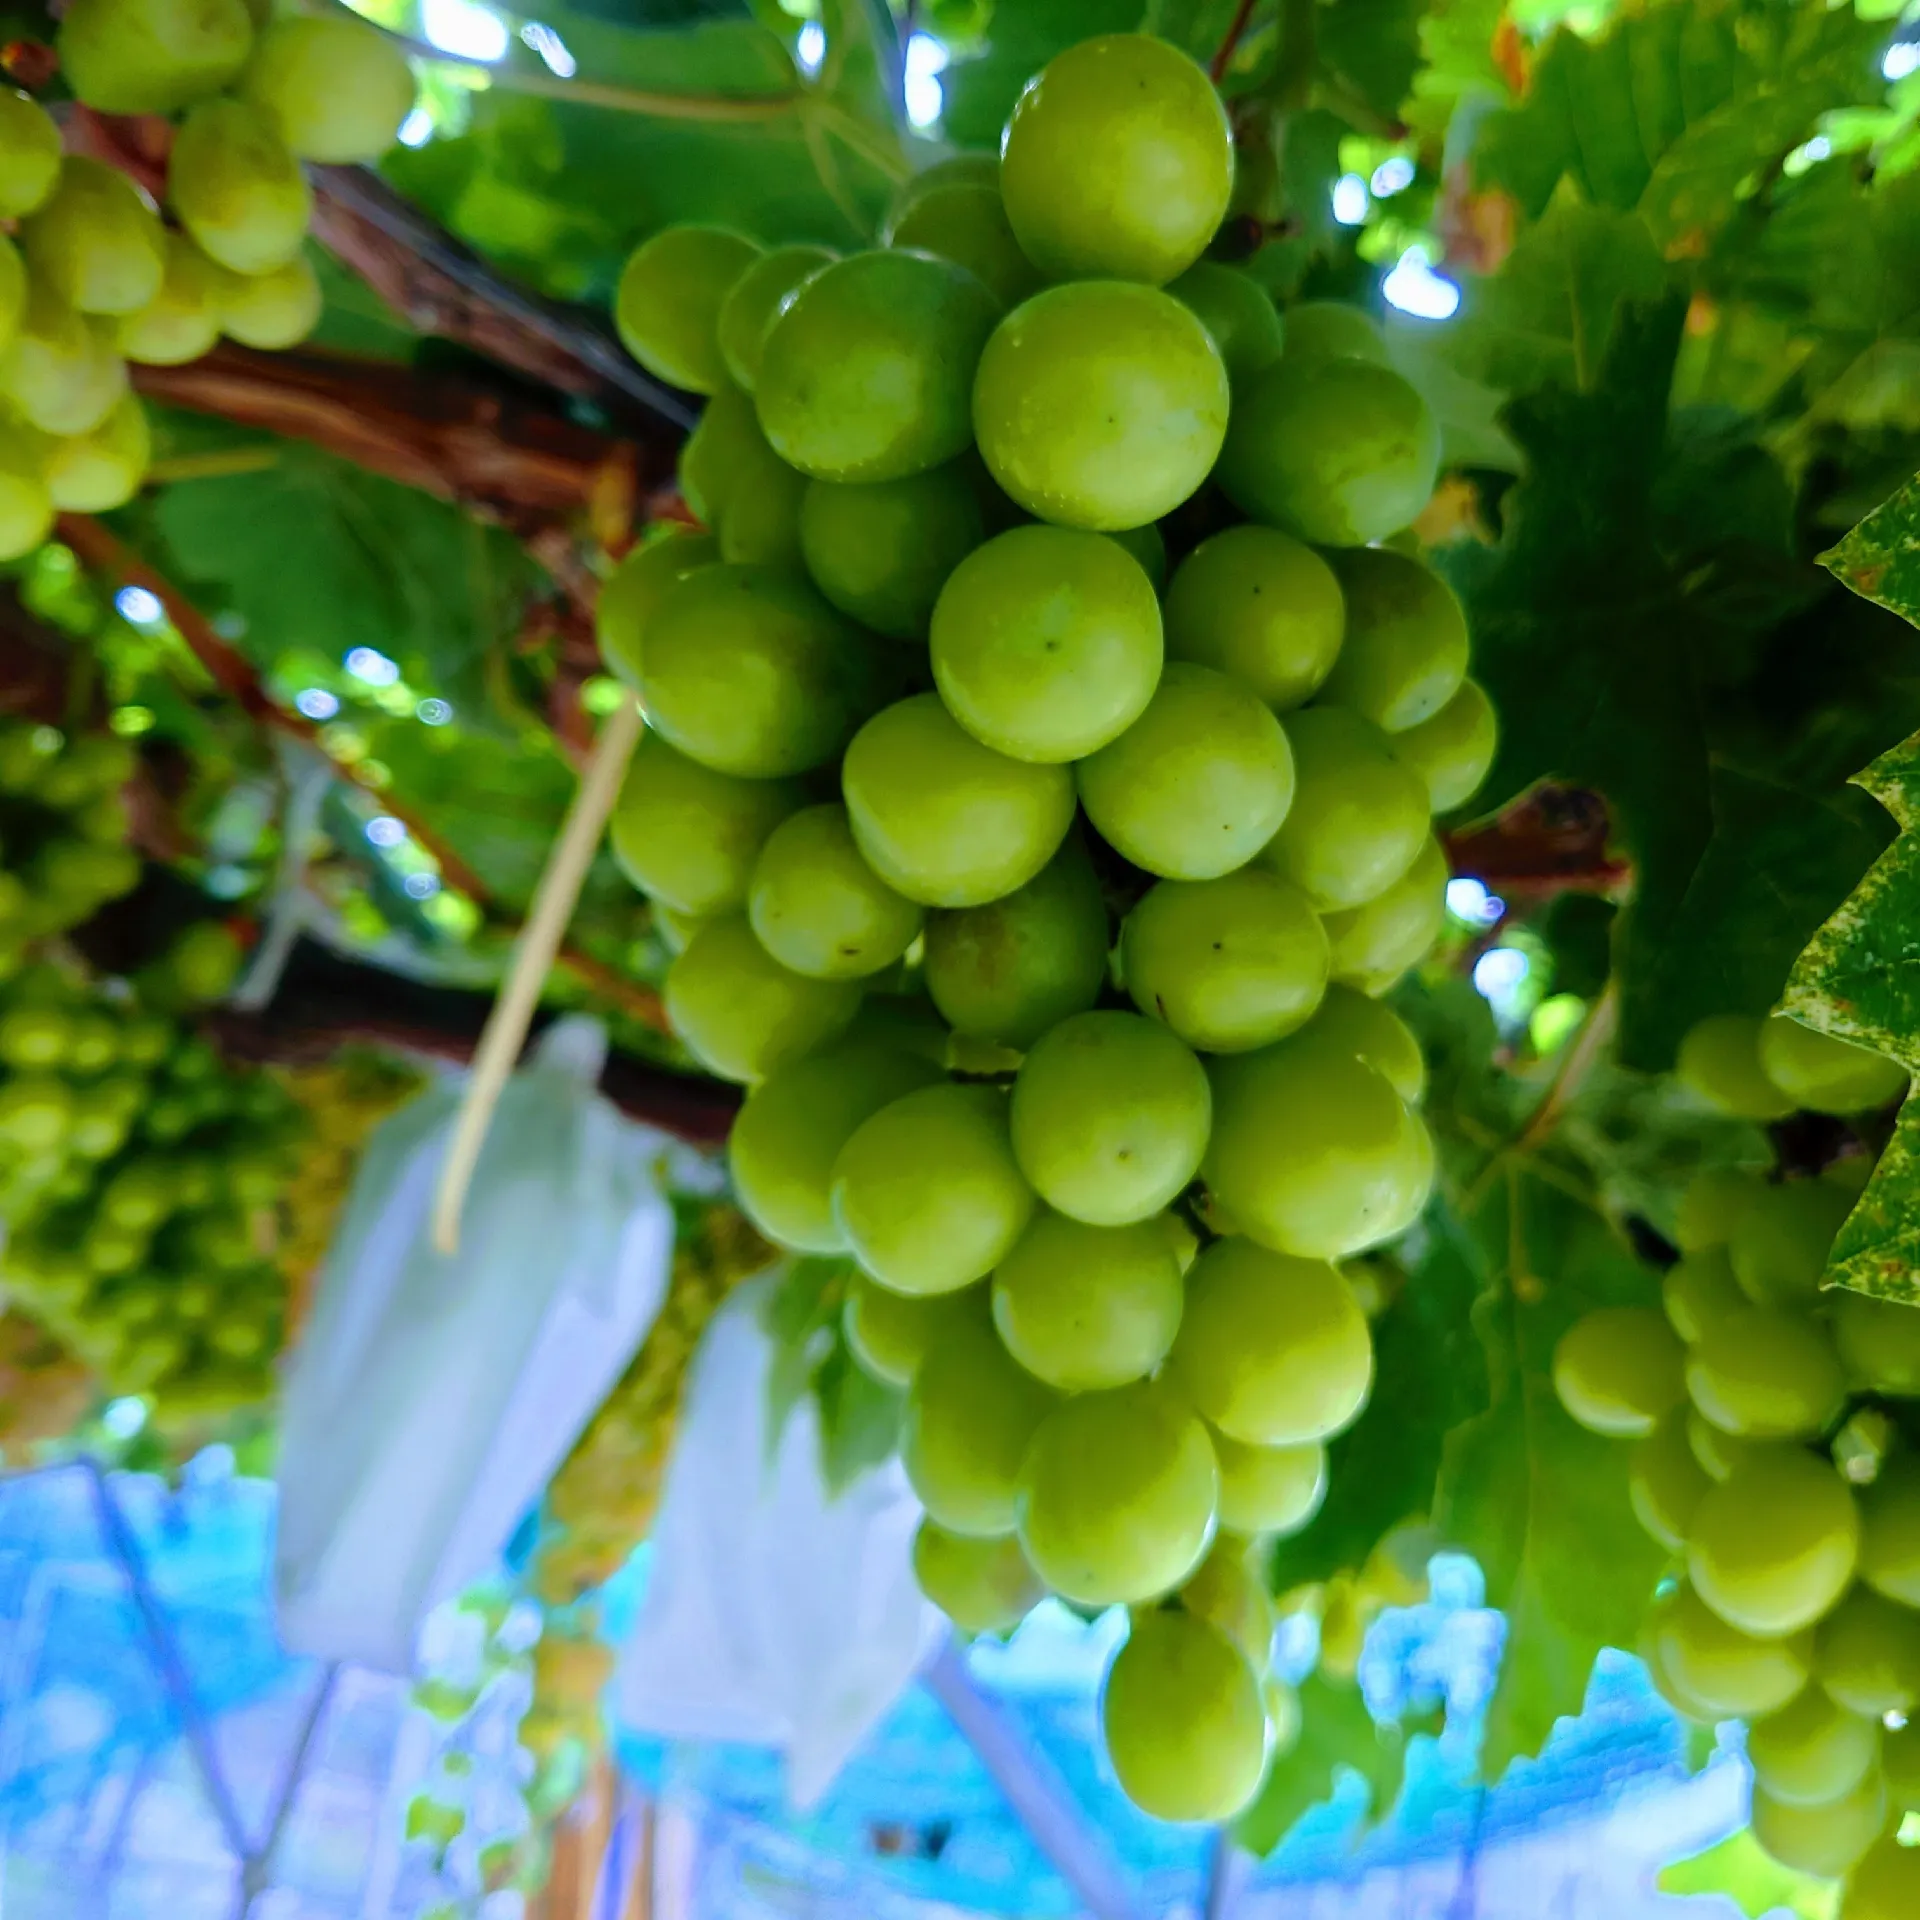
<point>1038,862</point>
<point>63,831</point>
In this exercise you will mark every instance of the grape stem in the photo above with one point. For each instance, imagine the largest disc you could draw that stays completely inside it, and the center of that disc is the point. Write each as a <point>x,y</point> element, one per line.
<point>1230,41</point>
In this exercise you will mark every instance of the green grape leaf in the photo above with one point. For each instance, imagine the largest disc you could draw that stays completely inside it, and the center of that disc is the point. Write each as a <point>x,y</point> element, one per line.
<point>859,1417</point>
<point>1741,1869</point>
<point>1372,47</point>
<point>1880,558</point>
<point>799,1314</point>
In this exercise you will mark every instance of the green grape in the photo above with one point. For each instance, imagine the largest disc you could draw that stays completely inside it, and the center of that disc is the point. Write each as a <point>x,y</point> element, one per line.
<point>152,56</point>
<point>1405,652</point>
<point>742,1014</point>
<point>1729,1672</point>
<point>1618,1371</point>
<point>1700,1291</point>
<point>1224,1592</point>
<point>1082,1307</point>
<point>819,908</point>
<point>1269,1490</point>
<point>35,1112</point>
<point>1665,1483</point>
<point>1228,964</point>
<point>1237,311</point>
<point>1712,1206</point>
<point>1890,1530</point>
<point>96,242</point>
<point>789,1133</point>
<point>274,310</point>
<point>1774,1544</point>
<point>1318,330</point>
<point>634,590</point>
<point>26,505</point>
<point>881,552</point>
<point>1900,1763</point>
<point>1045,643</point>
<point>1183,1719</point>
<point>1867,1654</point>
<point>890,1333</point>
<point>1340,452</point>
<point>1781,1240</point>
<point>237,190</point>
<point>1358,819</point>
<point>1826,1074</point>
<point>971,1417</point>
<point>32,1036</point>
<point>941,818</point>
<point>1258,605</point>
<point>1313,1152</point>
<point>667,306</point>
<point>1109,1117</point>
<point>1825,1840</point>
<point>1812,1750</point>
<point>1100,405</point>
<point>982,1586</point>
<point>29,153</point>
<point>1007,971</point>
<point>336,88</point>
<point>750,672</point>
<point>1273,1350</point>
<point>1880,1342</point>
<point>724,440</point>
<point>61,372</point>
<point>867,372</point>
<point>959,169</point>
<point>182,320</point>
<point>756,299</point>
<point>1117,1496</point>
<point>1373,1032</point>
<point>98,471</point>
<point>1884,1883</point>
<point>1375,943</point>
<point>1117,162</point>
<point>1198,784</point>
<point>1451,750</point>
<point>1720,1060</point>
<point>927,1191</point>
<point>1764,1374</point>
<point>966,222</point>
<point>1147,546</point>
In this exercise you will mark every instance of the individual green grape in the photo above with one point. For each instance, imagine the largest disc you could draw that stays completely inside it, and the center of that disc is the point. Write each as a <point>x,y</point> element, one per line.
<point>1117,162</point>
<point>1867,1654</point>
<point>750,672</point>
<point>1223,1591</point>
<point>1725,1670</point>
<point>667,305</point>
<point>1720,1060</point>
<point>1373,945</point>
<point>237,190</point>
<point>1313,1152</point>
<point>927,1191</point>
<point>182,320</point>
<point>26,506</point>
<point>1617,1371</point>
<point>966,222</point>
<point>335,88</point>
<point>1718,1451</point>
<point>1148,547</point>
<point>1318,330</point>
<point>982,1586</point>
<point>1257,604</point>
<point>1273,1350</point>
<point>970,1421</point>
<point>1198,784</point>
<point>1699,1291</point>
<point>1451,750</point>
<point>1774,1544</point>
<point>1117,1496</point>
<point>1237,311</point>
<point>1228,964</point>
<point>868,371</point>
<point>1764,1374</point>
<point>1100,405</point>
<point>96,242</point>
<point>1668,1688</point>
<point>741,1013</point>
<point>957,169</point>
<point>1269,1490</point>
<point>152,56</point>
<point>1084,1307</point>
<point>755,300</point>
<point>1340,452</point>
<point>1373,1032</point>
<point>1823,1073</point>
<point>1405,652</point>
<point>35,1112</point>
<point>1890,1530</point>
<point>61,372</point>
<point>1812,1750</point>
<point>789,1134</point>
<point>906,1021</point>
<point>941,818</point>
<point>756,516</point>
<point>1358,819</point>
<point>98,471</point>
<point>890,1333</point>
<point>819,908</point>
<point>1665,1483</point>
<point>1007,971</point>
<point>1900,1764</point>
<point>1045,643</point>
<point>1183,1719</point>
<point>634,590</point>
<point>1781,1240</point>
<point>724,440</point>
<point>29,154</point>
<point>1712,1207</point>
<point>1880,1342</point>
<point>1109,1117</point>
<point>882,551</point>
<point>272,311</point>
<point>1884,1883</point>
